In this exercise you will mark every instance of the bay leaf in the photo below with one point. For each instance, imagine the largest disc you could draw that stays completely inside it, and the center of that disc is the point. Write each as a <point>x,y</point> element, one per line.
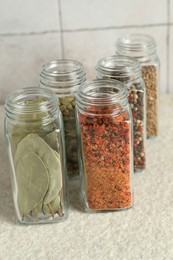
<point>30,122</point>
<point>33,101</point>
<point>56,154</point>
<point>34,143</point>
<point>50,208</point>
<point>38,209</point>
<point>53,206</point>
<point>20,130</point>
<point>52,140</point>
<point>32,181</point>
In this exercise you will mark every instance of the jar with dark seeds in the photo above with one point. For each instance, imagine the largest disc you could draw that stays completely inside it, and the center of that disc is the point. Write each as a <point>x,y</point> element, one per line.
<point>128,71</point>
<point>144,48</point>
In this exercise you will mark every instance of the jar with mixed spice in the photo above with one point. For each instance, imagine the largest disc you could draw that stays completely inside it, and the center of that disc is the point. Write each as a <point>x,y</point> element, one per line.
<point>143,48</point>
<point>34,134</point>
<point>64,77</point>
<point>104,123</point>
<point>128,71</point>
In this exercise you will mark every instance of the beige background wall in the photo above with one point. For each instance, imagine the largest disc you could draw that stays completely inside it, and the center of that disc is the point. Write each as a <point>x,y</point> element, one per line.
<point>36,31</point>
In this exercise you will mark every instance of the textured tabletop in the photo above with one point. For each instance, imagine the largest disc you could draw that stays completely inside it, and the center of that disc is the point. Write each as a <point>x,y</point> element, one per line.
<point>143,232</point>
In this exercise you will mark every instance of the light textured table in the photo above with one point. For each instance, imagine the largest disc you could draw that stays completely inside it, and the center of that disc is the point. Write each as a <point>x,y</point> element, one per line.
<point>143,232</point>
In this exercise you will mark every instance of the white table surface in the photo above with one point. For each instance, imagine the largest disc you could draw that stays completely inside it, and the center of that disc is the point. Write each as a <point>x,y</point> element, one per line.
<point>143,232</point>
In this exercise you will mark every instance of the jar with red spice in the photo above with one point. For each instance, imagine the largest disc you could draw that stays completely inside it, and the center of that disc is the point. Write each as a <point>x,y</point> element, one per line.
<point>104,126</point>
<point>128,71</point>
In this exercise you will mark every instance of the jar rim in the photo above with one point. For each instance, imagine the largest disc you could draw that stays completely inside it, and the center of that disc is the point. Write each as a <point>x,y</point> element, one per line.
<point>62,66</point>
<point>138,44</point>
<point>15,103</point>
<point>62,76</point>
<point>119,65</point>
<point>110,92</point>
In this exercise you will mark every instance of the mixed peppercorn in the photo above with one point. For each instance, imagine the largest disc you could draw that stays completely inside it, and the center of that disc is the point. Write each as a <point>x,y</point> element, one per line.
<point>136,101</point>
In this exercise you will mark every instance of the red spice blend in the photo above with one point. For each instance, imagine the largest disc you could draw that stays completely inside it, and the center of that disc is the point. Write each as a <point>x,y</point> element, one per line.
<point>106,154</point>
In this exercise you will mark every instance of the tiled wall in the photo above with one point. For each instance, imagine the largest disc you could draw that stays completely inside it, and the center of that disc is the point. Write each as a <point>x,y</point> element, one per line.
<point>36,31</point>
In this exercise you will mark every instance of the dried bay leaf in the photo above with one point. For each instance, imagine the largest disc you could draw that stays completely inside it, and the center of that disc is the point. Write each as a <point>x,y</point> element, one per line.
<point>52,140</point>
<point>56,154</point>
<point>38,209</point>
<point>32,180</point>
<point>37,100</point>
<point>53,206</point>
<point>34,143</point>
<point>19,131</point>
<point>30,122</point>
<point>50,208</point>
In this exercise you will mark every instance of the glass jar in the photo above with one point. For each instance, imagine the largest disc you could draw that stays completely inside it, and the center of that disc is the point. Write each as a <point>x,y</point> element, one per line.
<point>143,48</point>
<point>104,128</point>
<point>64,77</point>
<point>128,71</point>
<point>34,133</point>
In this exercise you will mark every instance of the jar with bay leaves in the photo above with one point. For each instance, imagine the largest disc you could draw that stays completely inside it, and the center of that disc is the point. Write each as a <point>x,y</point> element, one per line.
<point>64,77</point>
<point>128,71</point>
<point>34,134</point>
<point>104,123</point>
<point>143,48</point>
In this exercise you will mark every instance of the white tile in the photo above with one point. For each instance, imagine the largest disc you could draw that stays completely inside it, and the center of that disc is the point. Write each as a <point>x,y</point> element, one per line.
<point>28,16</point>
<point>90,46</point>
<point>170,87</point>
<point>171,10</point>
<point>22,58</point>
<point>96,13</point>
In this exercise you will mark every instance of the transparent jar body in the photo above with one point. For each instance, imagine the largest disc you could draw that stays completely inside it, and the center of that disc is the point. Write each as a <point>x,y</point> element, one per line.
<point>64,77</point>
<point>150,74</point>
<point>128,71</point>
<point>35,139</point>
<point>106,151</point>
<point>143,48</point>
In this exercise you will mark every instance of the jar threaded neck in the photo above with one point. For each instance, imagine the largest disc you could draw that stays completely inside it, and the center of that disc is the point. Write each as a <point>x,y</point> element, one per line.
<point>136,45</point>
<point>99,93</point>
<point>120,67</point>
<point>29,101</point>
<point>62,76</point>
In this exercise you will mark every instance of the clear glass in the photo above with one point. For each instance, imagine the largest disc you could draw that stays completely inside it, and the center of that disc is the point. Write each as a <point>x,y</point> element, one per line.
<point>143,48</point>
<point>128,71</point>
<point>104,125</point>
<point>64,77</point>
<point>35,139</point>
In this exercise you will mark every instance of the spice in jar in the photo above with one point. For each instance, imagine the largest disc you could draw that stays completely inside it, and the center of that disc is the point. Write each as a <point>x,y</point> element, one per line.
<point>36,148</point>
<point>39,177</point>
<point>149,74</point>
<point>67,107</point>
<point>128,71</point>
<point>105,133</point>
<point>143,48</point>
<point>136,101</point>
<point>64,77</point>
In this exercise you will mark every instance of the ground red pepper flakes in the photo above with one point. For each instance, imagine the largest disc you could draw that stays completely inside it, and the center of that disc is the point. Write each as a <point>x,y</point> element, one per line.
<point>106,155</point>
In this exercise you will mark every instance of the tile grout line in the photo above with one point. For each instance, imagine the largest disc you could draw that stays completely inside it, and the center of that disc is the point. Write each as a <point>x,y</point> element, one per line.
<point>28,33</point>
<point>83,29</point>
<point>61,30</point>
<point>116,27</point>
<point>168,47</point>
